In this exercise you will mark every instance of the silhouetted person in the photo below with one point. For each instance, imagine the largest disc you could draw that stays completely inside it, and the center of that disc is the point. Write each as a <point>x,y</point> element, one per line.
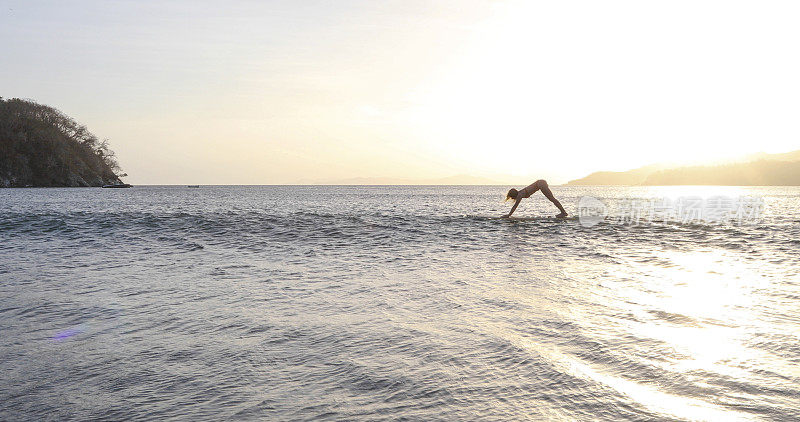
<point>529,190</point>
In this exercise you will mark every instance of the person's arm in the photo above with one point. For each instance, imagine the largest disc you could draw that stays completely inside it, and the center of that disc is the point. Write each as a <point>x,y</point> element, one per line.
<point>516,204</point>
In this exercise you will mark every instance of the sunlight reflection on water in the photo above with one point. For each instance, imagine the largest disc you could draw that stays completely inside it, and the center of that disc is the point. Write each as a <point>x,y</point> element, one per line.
<point>362,303</point>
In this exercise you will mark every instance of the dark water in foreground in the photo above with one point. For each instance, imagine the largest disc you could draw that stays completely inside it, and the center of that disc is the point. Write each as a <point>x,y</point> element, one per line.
<point>363,303</point>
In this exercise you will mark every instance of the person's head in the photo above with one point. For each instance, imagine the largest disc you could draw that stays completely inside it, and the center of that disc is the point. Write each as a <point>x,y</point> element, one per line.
<point>512,194</point>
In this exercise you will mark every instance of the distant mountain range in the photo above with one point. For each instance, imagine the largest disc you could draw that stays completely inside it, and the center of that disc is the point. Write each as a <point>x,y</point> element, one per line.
<point>759,169</point>
<point>460,179</point>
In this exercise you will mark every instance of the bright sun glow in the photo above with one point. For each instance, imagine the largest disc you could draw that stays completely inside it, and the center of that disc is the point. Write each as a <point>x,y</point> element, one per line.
<point>597,92</point>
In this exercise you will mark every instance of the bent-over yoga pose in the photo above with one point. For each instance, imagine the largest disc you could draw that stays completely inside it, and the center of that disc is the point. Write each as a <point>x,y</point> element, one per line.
<point>529,190</point>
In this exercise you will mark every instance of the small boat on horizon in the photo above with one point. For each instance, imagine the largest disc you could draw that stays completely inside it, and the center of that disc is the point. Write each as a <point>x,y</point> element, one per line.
<point>193,186</point>
<point>119,185</point>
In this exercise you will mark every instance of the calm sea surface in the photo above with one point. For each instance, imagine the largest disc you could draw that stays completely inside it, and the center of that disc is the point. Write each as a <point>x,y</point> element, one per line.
<point>371,302</point>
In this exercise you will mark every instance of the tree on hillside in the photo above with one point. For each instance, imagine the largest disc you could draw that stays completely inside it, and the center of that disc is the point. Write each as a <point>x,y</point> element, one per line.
<point>41,146</point>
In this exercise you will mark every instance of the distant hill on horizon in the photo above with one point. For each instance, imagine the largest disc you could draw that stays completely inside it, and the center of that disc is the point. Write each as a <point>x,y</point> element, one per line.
<point>759,169</point>
<point>459,179</point>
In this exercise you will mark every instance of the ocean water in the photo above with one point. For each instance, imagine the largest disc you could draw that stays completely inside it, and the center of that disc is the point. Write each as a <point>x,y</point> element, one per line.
<point>381,302</point>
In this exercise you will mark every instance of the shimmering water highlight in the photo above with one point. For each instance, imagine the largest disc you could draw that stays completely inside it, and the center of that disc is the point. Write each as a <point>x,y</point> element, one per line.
<point>370,302</point>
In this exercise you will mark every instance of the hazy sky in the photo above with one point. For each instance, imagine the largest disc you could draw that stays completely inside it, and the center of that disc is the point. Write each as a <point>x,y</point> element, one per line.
<point>290,91</point>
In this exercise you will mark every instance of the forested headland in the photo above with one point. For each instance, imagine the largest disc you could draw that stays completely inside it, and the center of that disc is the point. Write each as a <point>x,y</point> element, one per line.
<point>42,147</point>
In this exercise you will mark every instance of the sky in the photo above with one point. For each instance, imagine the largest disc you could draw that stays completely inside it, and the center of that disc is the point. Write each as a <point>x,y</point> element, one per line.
<point>259,92</point>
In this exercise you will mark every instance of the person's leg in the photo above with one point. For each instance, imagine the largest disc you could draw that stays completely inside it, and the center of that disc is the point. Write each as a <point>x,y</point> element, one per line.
<point>549,194</point>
